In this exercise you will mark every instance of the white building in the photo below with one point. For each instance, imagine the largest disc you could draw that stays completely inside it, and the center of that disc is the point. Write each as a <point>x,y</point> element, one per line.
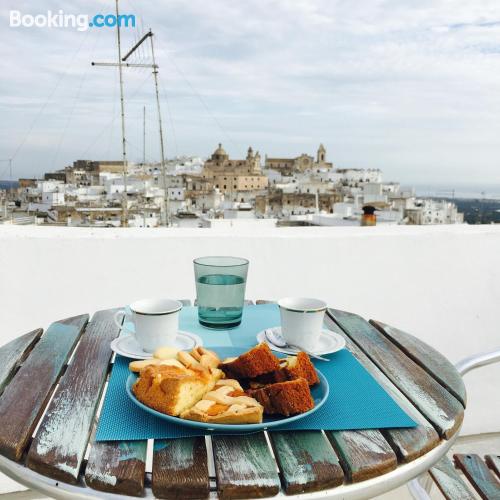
<point>427,212</point>
<point>53,199</point>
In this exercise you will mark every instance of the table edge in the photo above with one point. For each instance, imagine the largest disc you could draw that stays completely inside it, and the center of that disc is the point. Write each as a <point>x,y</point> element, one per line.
<point>364,489</point>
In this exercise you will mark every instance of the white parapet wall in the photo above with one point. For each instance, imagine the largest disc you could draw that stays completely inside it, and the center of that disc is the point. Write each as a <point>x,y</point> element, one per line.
<point>440,283</point>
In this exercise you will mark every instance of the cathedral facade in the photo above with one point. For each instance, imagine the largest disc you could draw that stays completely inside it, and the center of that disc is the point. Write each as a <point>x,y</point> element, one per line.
<point>232,176</point>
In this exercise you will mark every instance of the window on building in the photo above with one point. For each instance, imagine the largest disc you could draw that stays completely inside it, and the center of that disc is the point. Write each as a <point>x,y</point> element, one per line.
<point>225,187</point>
<point>234,186</point>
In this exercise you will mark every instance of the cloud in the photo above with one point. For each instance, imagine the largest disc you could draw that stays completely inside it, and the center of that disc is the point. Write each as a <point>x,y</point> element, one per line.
<point>411,88</point>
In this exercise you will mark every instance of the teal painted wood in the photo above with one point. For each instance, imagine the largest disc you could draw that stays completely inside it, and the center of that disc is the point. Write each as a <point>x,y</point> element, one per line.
<point>59,446</point>
<point>180,468</point>
<point>449,482</point>
<point>14,353</point>
<point>408,444</point>
<point>440,407</point>
<point>363,454</point>
<point>428,358</point>
<point>306,460</point>
<point>244,467</point>
<point>117,467</point>
<point>476,471</point>
<point>493,462</point>
<point>24,399</point>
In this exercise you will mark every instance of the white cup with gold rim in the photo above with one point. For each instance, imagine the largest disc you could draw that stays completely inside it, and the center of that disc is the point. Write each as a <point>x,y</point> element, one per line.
<point>302,320</point>
<point>156,322</point>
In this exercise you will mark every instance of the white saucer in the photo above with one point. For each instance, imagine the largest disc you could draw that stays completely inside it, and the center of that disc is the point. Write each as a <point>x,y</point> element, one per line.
<point>127,346</point>
<point>328,342</point>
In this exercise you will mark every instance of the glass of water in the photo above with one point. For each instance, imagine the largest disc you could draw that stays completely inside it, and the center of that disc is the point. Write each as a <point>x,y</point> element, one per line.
<point>220,290</point>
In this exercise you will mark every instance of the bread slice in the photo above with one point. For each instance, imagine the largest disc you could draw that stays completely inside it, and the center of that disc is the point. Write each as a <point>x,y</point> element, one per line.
<point>251,364</point>
<point>226,404</point>
<point>284,398</point>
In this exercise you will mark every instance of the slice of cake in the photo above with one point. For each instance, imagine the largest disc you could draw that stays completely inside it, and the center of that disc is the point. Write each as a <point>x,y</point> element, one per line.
<point>300,366</point>
<point>284,398</point>
<point>251,364</point>
<point>291,367</point>
<point>226,404</point>
<point>173,389</point>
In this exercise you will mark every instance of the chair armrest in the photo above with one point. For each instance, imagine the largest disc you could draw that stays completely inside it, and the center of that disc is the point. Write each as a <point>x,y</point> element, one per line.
<point>478,360</point>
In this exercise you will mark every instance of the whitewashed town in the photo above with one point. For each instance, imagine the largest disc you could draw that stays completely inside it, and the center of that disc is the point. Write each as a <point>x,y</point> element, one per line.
<point>307,190</point>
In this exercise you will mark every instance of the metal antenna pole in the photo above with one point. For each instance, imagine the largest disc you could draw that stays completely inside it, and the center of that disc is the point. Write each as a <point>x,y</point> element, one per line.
<point>122,105</point>
<point>122,62</point>
<point>144,135</point>
<point>166,217</point>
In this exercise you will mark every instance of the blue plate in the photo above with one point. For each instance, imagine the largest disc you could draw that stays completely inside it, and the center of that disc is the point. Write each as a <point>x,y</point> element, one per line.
<point>319,393</point>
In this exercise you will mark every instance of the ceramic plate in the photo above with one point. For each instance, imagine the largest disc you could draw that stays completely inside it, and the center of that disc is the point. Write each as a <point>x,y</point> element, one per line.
<point>328,342</point>
<point>127,346</point>
<point>318,392</point>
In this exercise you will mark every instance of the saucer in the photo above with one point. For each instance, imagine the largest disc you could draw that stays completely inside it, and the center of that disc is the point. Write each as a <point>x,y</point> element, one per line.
<point>328,342</point>
<point>127,346</point>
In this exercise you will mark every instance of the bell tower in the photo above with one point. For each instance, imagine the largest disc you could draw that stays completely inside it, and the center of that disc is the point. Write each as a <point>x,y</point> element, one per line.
<point>321,155</point>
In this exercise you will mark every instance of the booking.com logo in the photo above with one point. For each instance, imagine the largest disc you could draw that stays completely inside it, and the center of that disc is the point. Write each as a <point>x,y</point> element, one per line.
<point>81,22</point>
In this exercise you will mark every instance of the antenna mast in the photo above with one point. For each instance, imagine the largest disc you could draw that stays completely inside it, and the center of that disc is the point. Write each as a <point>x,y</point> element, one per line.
<point>144,135</point>
<point>122,62</point>
<point>166,216</point>
<point>122,106</point>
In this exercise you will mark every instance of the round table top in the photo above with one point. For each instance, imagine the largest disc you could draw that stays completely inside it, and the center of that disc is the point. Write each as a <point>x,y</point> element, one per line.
<point>52,383</point>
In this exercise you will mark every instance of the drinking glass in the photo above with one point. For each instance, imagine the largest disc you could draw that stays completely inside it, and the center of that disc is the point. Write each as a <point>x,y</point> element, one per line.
<point>220,290</point>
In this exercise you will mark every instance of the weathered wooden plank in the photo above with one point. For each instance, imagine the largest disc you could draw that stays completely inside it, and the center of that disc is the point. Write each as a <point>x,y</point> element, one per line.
<point>440,407</point>
<point>117,467</point>
<point>59,446</point>
<point>410,443</point>
<point>493,462</point>
<point>25,397</point>
<point>306,460</point>
<point>451,485</point>
<point>14,353</point>
<point>428,358</point>
<point>244,467</point>
<point>479,476</point>
<point>180,468</point>
<point>363,454</point>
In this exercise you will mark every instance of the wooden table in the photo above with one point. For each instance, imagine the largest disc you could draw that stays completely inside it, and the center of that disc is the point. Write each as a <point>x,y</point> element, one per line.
<point>51,386</point>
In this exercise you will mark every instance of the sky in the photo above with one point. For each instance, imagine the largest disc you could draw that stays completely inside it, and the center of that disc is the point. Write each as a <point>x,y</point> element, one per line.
<point>411,88</point>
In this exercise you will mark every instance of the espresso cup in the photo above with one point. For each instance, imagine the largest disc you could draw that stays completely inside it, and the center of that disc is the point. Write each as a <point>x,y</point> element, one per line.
<point>302,321</point>
<point>156,322</point>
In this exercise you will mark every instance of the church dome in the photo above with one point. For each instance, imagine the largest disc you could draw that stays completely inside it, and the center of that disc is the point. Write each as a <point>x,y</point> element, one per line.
<point>220,151</point>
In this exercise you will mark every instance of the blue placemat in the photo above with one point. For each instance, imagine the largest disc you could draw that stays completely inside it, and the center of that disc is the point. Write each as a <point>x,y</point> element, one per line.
<point>356,400</point>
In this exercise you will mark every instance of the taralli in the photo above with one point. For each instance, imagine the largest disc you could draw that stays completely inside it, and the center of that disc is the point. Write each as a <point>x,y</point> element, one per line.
<point>137,366</point>
<point>166,353</point>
